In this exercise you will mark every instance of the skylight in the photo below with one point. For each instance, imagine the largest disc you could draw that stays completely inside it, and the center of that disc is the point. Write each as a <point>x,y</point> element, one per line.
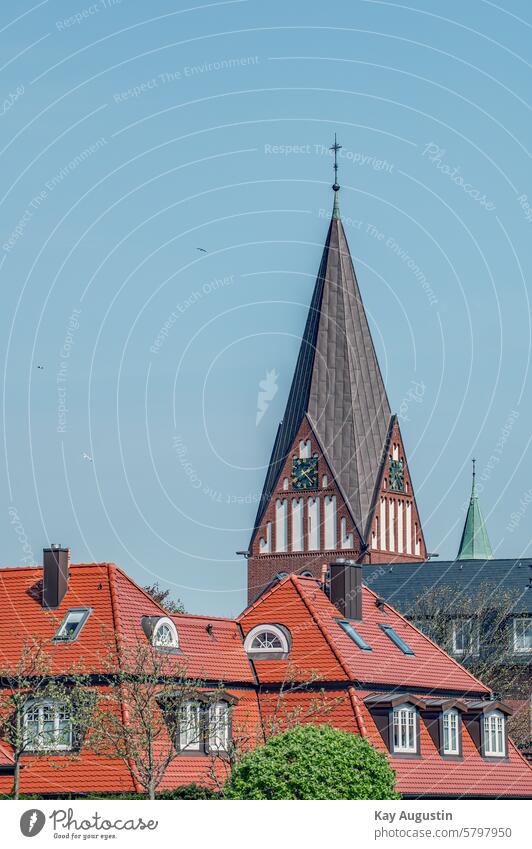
<point>354,635</point>
<point>72,624</point>
<point>395,638</point>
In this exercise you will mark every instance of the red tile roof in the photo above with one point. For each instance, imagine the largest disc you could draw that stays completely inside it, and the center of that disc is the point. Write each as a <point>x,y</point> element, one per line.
<point>321,653</point>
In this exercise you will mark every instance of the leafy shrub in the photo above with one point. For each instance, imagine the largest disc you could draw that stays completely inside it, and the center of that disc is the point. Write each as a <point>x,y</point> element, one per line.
<point>313,762</point>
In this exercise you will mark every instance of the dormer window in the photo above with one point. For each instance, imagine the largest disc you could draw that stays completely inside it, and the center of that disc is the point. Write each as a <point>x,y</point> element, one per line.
<point>405,729</point>
<point>494,734</point>
<point>72,624</point>
<point>451,732</point>
<point>268,642</point>
<point>205,726</point>
<point>165,634</point>
<point>47,726</point>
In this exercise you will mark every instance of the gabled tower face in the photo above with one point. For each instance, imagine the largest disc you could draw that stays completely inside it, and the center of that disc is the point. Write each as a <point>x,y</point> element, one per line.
<point>394,531</point>
<point>338,449</point>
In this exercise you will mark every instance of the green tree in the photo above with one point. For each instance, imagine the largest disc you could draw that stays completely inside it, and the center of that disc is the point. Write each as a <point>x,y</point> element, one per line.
<point>163,598</point>
<point>38,710</point>
<point>139,713</point>
<point>313,762</point>
<point>475,625</point>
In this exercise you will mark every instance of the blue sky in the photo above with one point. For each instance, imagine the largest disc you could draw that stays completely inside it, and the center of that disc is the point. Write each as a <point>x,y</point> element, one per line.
<point>134,134</point>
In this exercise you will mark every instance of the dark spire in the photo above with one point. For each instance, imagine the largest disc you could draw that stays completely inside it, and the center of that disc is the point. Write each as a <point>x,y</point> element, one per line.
<point>337,383</point>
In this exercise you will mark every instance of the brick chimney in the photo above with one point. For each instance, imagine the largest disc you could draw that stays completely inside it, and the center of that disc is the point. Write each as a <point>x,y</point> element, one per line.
<point>346,587</point>
<point>56,561</point>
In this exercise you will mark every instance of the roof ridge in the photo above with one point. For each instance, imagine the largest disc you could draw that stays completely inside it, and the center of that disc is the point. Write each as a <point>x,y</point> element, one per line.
<point>357,710</point>
<point>330,641</point>
<point>137,587</point>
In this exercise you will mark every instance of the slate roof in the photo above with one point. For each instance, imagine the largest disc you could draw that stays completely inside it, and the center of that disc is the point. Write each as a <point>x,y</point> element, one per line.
<point>400,583</point>
<point>337,382</point>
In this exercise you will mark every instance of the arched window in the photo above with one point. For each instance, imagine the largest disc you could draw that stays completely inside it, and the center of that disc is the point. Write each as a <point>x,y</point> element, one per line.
<point>266,641</point>
<point>165,634</point>
<point>494,734</point>
<point>451,732</point>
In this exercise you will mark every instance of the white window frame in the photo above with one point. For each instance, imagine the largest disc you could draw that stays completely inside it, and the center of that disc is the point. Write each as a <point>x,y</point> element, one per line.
<point>190,727</point>
<point>450,718</point>
<point>404,718</point>
<point>85,613</point>
<point>165,622</point>
<point>260,629</point>
<point>474,636</point>
<point>37,740</point>
<point>524,622</point>
<point>494,734</point>
<point>219,726</point>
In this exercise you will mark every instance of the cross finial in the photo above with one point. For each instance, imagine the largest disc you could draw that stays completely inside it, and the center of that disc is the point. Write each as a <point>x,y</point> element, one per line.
<point>335,147</point>
<point>474,462</point>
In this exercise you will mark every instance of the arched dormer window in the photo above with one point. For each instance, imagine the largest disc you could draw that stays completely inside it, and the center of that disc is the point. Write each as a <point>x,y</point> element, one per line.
<point>268,642</point>
<point>165,634</point>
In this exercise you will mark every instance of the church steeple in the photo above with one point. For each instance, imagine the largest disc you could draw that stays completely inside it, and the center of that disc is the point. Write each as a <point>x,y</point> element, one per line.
<point>338,434</point>
<point>475,544</point>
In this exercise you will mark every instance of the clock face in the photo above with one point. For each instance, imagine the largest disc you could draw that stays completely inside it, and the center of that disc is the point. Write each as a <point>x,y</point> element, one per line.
<point>397,476</point>
<point>305,473</point>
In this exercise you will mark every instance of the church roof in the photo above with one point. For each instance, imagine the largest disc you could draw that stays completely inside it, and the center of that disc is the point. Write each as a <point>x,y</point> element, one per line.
<point>338,384</point>
<point>475,544</point>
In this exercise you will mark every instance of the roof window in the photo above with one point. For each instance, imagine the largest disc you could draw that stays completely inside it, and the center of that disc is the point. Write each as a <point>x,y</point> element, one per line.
<point>353,634</point>
<point>395,638</point>
<point>72,624</point>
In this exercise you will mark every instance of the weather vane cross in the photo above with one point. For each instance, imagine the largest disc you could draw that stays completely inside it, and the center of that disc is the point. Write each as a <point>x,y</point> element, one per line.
<point>335,147</point>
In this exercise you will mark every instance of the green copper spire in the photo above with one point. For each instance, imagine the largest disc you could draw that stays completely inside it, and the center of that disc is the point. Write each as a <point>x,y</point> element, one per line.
<point>336,188</point>
<point>475,544</point>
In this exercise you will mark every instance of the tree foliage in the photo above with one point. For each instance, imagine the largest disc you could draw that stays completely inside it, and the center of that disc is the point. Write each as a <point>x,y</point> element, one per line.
<point>163,598</point>
<point>484,613</point>
<point>313,762</point>
<point>139,714</point>
<point>29,681</point>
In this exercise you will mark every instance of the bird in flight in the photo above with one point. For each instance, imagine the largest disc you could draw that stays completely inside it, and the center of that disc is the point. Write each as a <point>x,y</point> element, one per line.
<point>87,457</point>
<point>41,367</point>
<point>202,250</point>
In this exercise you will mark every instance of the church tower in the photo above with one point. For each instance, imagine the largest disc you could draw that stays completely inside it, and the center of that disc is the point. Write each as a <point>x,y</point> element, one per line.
<point>338,483</point>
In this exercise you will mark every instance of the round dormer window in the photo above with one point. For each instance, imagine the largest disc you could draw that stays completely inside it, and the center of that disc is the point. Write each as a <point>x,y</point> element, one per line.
<point>267,640</point>
<point>165,634</point>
